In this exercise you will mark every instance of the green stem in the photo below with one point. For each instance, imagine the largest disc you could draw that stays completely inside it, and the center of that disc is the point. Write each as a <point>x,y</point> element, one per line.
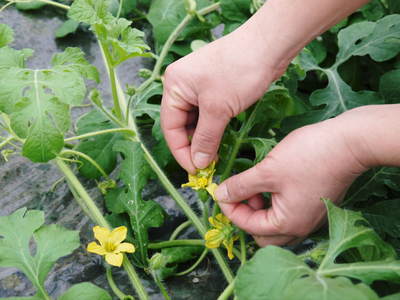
<point>133,276</point>
<point>114,287</point>
<point>5,6</point>
<point>85,201</point>
<point>173,192</point>
<point>6,141</point>
<point>227,292</point>
<point>176,243</point>
<point>194,266</point>
<point>90,134</point>
<point>238,254</point>
<point>119,8</point>
<point>66,7</point>
<point>153,164</point>
<point>160,285</point>
<point>242,238</point>
<point>112,77</point>
<point>179,229</point>
<point>186,209</point>
<point>88,158</point>
<point>171,40</point>
<point>243,132</point>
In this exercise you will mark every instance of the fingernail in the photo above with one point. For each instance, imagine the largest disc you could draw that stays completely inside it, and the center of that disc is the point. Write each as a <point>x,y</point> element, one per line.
<point>201,160</point>
<point>221,194</point>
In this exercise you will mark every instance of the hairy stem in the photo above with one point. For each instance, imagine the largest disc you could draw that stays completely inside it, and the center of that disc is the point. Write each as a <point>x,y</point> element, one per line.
<point>243,132</point>
<point>6,141</point>
<point>242,238</point>
<point>100,132</point>
<point>176,243</point>
<point>122,105</point>
<point>160,285</point>
<point>179,229</point>
<point>194,266</point>
<point>88,158</point>
<point>114,287</point>
<point>86,202</point>
<point>112,77</point>
<point>227,292</point>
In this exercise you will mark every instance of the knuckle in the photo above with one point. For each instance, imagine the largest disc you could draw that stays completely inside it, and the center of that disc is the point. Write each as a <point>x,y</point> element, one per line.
<point>214,108</point>
<point>280,224</point>
<point>205,138</point>
<point>170,72</point>
<point>237,189</point>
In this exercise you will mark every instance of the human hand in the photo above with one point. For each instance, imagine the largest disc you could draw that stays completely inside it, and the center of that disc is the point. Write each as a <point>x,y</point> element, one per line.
<point>204,90</point>
<point>310,163</point>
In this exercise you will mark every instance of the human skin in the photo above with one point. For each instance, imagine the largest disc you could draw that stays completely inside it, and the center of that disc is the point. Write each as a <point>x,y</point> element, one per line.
<point>204,90</point>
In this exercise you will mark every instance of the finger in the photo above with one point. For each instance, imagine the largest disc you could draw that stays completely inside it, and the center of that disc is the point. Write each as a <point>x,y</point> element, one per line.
<point>255,222</point>
<point>256,202</point>
<point>278,240</point>
<point>174,118</point>
<point>245,185</point>
<point>207,137</point>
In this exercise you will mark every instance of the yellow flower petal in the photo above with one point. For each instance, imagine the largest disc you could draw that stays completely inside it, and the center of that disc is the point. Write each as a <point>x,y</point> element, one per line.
<point>118,235</point>
<point>125,247</point>
<point>219,221</point>
<point>229,248</point>
<point>213,238</point>
<point>211,189</point>
<point>114,259</point>
<point>220,218</point>
<point>93,247</point>
<point>101,234</point>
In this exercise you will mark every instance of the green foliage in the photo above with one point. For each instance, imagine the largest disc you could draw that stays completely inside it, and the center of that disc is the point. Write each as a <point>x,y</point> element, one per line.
<point>165,16</point>
<point>6,35</point>
<point>29,5</point>
<point>116,35</point>
<point>376,39</point>
<point>171,258</point>
<point>90,11</point>
<point>275,273</point>
<point>383,216</point>
<point>322,82</point>
<point>98,147</point>
<point>143,214</point>
<point>52,242</point>
<point>85,291</point>
<point>262,146</point>
<point>389,86</point>
<point>68,27</point>
<point>375,182</point>
<point>234,13</point>
<point>38,101</point>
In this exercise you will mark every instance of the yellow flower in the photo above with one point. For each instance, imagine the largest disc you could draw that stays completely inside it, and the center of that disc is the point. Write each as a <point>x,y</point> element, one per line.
<point>111,245</point>
<point>222,233</point>
<point>203,180</point>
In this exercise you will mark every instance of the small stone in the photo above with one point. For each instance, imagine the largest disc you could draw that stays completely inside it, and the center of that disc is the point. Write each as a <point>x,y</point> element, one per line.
<point>196,280</point>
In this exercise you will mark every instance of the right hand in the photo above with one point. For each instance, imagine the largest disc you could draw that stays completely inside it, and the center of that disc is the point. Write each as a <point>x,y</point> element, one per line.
<point>205,89</point>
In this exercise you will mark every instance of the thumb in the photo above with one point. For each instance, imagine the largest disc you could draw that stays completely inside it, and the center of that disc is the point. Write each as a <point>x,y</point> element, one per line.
<point>207,137</point>
<point>246,184</point>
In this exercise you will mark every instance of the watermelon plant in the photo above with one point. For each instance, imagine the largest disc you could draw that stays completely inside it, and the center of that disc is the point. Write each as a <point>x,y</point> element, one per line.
<point>121,148</point>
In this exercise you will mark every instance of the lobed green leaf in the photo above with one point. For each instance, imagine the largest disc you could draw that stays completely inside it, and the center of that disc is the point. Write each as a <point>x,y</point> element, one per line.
<point>6,35</point>
<point>99,147</point>
<point>52,242</point>
<point>38,101</point>
<point>85,291</point>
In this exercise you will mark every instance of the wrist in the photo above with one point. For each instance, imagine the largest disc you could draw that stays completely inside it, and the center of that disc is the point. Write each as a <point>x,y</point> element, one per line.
<point>372,134</point>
